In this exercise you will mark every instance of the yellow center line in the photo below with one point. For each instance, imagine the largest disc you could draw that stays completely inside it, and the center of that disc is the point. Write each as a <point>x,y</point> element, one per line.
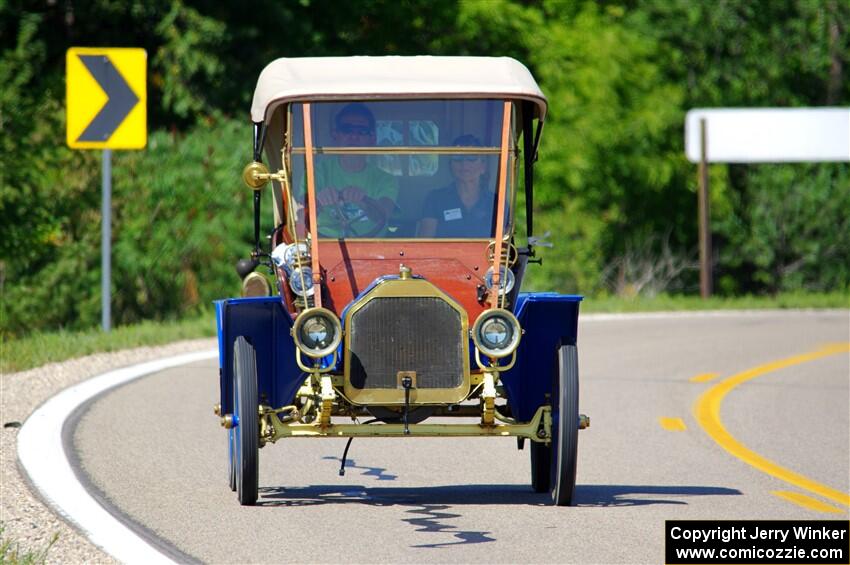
<point>704,378</point>
<point>672,424</point>
<point>707,414</point>
<point>801,499</point>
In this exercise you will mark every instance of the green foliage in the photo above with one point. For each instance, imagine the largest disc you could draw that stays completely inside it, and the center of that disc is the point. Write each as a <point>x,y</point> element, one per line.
<point>182,220</point>
<point>187,66</point>
<point>613,186</point>
<point>179,224</point>
<point>779,53</point>
<point>491,28</point>
<point>608,172</point>
<point>789,231</point>
<point>44,197</point>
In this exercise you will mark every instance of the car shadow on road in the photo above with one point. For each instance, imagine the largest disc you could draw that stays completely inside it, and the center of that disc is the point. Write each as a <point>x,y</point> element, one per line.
<point>430,507</point>
<point>641,495</point>
<point>427,509</point>
<point>503,494</point>
<point>388,496</point>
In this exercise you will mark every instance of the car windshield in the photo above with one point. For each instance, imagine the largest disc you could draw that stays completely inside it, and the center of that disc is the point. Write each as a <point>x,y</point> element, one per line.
<point>402,169</point>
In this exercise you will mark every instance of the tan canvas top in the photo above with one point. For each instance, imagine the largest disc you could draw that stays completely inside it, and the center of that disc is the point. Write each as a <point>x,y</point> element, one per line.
<point>313,78</point>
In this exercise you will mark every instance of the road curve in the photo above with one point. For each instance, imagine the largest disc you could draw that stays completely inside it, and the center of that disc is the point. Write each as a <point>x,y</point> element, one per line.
<point>153,451</point>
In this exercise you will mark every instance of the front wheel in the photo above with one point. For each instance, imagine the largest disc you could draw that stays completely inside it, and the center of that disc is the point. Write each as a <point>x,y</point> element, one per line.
<point>553,466</point>
<point>247,431</point>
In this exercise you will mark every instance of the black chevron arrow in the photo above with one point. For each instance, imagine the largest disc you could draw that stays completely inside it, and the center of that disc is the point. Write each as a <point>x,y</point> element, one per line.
<point>121,98</point>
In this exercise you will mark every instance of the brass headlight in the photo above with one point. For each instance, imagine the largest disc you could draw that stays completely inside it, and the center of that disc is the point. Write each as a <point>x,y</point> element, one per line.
<point>496,333</point>
<point>256,284</point>
<point>255,175</point>
<point>317,332</point>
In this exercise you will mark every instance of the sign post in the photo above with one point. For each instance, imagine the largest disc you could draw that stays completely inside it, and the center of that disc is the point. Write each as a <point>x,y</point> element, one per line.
<point>705,270</point>
<point>759,135</point>
<point>106,108</point>
<point>106,240</point>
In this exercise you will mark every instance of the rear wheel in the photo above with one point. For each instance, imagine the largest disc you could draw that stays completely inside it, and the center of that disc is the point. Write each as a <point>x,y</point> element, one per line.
<point>553,466</point>
<point>247,431</point>
<point>540,455</point>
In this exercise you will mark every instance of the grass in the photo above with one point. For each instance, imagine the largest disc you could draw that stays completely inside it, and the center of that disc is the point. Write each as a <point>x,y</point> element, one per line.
<point>669,303</point>
<point>11,554</point>
<point>39,348</point>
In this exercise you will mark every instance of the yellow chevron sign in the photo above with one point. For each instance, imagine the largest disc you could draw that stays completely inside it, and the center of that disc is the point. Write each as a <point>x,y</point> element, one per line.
<point>106,98</point>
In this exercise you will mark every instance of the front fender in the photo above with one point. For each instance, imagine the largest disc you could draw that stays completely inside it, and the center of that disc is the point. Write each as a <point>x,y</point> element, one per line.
<point>549,320</point>
<point>266,325</point>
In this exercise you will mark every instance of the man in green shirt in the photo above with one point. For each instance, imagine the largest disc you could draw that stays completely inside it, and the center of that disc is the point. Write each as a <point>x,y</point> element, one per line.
<point>354,197</point>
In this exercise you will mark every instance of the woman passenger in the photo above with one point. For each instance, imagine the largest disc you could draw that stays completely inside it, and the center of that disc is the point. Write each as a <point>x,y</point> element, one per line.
<point>465,208</point>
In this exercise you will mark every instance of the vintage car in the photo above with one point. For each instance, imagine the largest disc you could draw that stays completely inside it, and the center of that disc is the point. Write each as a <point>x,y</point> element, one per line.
<point>397,267</point>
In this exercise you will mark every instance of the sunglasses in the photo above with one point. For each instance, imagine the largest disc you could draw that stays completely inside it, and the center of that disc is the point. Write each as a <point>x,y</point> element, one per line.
<point>353,129</point>
<point>467,158</point>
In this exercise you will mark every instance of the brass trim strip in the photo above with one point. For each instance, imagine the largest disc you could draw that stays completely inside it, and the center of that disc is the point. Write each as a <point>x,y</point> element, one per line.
<point>400,149</point>
<point>538,429</point>
<point>390,240</point>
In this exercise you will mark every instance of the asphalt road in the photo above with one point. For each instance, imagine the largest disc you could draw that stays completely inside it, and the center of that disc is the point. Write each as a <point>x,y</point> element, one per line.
<point>155,451</point>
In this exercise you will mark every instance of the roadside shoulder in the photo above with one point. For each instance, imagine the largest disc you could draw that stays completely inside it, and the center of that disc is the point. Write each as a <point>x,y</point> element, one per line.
<point>27,521</point>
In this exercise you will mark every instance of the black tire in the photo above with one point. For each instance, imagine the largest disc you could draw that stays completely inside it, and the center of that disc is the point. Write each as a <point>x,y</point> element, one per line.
<point>553,466</point>
<point>565,422</point>
<point>540,456</point>
<point>247,432</point>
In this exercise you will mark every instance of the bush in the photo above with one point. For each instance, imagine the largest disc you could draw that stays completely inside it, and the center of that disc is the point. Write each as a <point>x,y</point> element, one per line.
<point>181,218</point>
<point>790,231</point>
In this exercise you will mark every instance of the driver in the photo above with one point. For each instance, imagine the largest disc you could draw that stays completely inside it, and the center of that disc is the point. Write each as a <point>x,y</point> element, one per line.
<point>354,197</point>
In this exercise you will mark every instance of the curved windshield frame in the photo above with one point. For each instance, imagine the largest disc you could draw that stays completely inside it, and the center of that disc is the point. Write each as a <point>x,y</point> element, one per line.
<point>413,169</point>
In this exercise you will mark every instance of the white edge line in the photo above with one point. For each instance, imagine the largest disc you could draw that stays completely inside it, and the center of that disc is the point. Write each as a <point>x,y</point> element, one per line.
<point>42,455</point>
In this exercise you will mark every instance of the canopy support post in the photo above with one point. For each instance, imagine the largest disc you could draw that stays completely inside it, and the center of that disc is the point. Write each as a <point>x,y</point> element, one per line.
<point>500,207</point>
<point>311,205</point>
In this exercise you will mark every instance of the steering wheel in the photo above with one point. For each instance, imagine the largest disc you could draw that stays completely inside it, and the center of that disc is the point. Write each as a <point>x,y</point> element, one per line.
<point>351,219</point>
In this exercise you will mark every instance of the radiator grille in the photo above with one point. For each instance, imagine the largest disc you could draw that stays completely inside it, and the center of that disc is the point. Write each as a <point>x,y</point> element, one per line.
<point>422,334</point>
